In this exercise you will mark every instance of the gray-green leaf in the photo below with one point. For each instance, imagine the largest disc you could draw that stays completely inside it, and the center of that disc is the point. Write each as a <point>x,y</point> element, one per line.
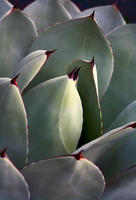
<point>75,40</point>
<point>114,151</point>
<point>12,184</point>
<point>16,35</point>
<point>13,122</point>
<point>64,178</point>
<point>46,12</point>
<point>55,117</point>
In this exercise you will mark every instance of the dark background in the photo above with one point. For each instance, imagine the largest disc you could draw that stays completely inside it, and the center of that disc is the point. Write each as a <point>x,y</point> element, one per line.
<point>127,7</point>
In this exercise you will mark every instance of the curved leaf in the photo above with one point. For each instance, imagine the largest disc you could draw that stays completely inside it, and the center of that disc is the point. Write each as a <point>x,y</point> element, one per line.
<point>12,183</point>
<point>46,12</point>
<point>75,40</point>
<point>122,186</point>
<point>121,90</point>
<point>64,178</point>
<point>114,151</point>
<point>126,116</point>
<point>55,117</point>
<point>29,67</point>
<point>87,84</point>
<point>16,35</point>
<point>108,17</point>
<point>5,8</point>
<point>71,7</point>
<point>13,122</point>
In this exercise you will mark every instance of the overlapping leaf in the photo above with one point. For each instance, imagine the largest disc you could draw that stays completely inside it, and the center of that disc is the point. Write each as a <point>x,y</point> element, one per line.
<point>70,6</point>
<point>108,17</point>
<point>121,186</point>
<point>121,91</point>
<point>13,122</point>
<point>55,118</point>
<point>16,35</point>
<point>29,67</point>
<point>127,115</point>
<point>88,91</point>
<point>75,40</point>
<point>114,151</point>
<point>5,8</point>
<point>64,178</point>
<point>46,12</point>
<point>12,184</point>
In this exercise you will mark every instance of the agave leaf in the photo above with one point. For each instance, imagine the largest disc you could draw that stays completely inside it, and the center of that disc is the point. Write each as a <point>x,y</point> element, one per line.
<point>12,184</point>
<point>5,8</point>
<point>71,7</point>
<point>121,89</point>
<point>64,178</point>
<point>88,91</point>
<point>108,17</point>
<point>46,12</point>
<point>75,40</point>
<point>55,117</point>
<point>13,122</point>
<point>29,67</point>
<point>127,115</point>
<point>121,186</point>
<point>16,35</point>
<point>114,151</point>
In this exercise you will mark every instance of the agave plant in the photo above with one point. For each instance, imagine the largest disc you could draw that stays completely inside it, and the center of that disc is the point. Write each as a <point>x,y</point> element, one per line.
<point>67,103</point>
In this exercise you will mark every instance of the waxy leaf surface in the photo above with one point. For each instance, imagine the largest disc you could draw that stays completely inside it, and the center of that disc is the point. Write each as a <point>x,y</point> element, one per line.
<point>5,8</point>
<point>121,186</point>
<point>108,17</point>
<point>127,115</point>
<point>87,84</point>
<point>75,40</point>
<point>64,178</point>
<point>46,12</point>
<point>55,118</point>
<point>121,91</point>
<point>16,35</point>
<point>29,67</point>
<point>12,184</point>
<point>70,6</point>
<point>114,151</point>
<point>13,122</point>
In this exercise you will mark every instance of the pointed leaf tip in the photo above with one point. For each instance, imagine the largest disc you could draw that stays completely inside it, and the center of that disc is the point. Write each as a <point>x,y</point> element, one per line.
<point>3,153</point>
<point>14,81</point>
<point>14,7</point>
<point>115,5</point>
<point>92,15</point>
<point>133,125</point>
<point>48,53</point>
<point>74,74</point>
<point>92,62</point>
<point>78,156</point>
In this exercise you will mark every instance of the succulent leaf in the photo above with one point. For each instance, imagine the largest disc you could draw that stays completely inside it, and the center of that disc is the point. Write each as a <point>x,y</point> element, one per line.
<point>87,84</point>
<point>13,126</point>
<point>29,67</point>
<point>75,40</point>
<point>5,8</point>
<point>122,186</point>
<point>127,115</point>
<point>46,12</point>
<point>16,35</point>
<point>55,117</point>
<point>64,178</point>
<point>71,7</point>
<point>121,90</point>
<point>114,151</point>
<point>12,183</point>
<point>108,17</point>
